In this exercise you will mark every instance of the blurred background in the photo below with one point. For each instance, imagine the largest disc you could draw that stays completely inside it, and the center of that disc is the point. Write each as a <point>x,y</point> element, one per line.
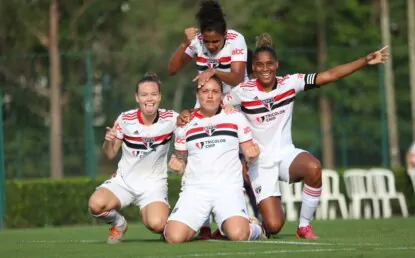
<point>68,68</point>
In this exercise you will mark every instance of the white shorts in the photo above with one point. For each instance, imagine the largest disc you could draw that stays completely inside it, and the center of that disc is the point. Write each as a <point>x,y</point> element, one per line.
<point>265,179</point>
<point>126,196</point>
<point>194,207</point>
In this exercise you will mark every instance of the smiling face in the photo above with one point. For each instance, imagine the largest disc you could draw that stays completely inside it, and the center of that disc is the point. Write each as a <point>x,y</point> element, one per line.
<point>148,97</point>
<point>265,68</point>
<point>210,96</point>
<point>213,41</point>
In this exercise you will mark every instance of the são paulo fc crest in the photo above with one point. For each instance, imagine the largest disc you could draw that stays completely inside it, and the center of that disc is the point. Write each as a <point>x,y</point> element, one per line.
<point>268,103</point>
<point>210,129</point>
<point>148,142</point>
<point>212,63</point>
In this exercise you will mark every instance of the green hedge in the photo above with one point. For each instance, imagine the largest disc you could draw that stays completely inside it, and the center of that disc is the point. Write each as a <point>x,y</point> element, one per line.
<point>46,202</point>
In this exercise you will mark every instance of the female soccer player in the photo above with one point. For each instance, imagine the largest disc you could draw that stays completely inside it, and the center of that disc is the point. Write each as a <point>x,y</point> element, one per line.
<point>207,152</point>
<point>268,103</point>
<point>217,50</point>
<point>141,177</point>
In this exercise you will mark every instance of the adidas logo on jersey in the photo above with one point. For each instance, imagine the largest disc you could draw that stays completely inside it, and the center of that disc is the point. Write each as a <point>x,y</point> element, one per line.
<point>136,132</point>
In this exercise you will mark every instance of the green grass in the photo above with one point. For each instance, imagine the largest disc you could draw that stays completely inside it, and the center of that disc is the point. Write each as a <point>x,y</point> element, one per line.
<point>338,238</point>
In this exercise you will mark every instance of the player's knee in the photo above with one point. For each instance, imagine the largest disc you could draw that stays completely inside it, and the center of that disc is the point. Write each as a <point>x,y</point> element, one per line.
<point>96,205</point>
<point>238,234</point>
<point>174,237</point>
<point>156,224</point>
<point>314,171</point>
<point>274,226</point>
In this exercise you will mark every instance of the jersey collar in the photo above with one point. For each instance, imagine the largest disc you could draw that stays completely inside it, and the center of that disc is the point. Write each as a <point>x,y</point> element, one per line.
<point>260,88</point>
<point>140,119</point>
<point>197,113</point>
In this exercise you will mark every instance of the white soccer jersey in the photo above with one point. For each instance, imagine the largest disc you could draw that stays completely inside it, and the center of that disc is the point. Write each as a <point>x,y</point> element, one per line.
<point>212,144</point>
<point>270,113</point>
<point>144,148</point>
<point>234,50</point>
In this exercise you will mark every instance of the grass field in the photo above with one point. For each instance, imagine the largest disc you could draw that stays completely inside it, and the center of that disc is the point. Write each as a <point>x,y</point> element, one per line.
<point>339,238</point>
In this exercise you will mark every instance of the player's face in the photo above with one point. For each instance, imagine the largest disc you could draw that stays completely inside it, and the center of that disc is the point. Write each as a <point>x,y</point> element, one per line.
<point>210,96</point>
<point>265,68</point>
<point>148,97</point>
<point>213,41</point>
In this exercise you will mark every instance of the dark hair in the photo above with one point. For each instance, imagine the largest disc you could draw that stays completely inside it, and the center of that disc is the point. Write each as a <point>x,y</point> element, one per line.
<point>148,77</point>
<point>264,44</point>
<point>211,17</point>
<point>249,62</point>
<point>217,80</point>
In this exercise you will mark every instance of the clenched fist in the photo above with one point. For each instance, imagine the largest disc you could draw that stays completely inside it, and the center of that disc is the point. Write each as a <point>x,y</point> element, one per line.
<point>176,165</point>
<point>252,153</point>
<point>110,134</point>
<point>189,35</point>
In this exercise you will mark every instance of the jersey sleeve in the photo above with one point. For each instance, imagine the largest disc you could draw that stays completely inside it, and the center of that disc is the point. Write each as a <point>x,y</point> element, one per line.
<point>180,140</point>
<point>119,130</point>
<point>232,97</point>
<point>191,50</point>
<point>303,82</point>
<point>239,50</point>
<point>244,130</point>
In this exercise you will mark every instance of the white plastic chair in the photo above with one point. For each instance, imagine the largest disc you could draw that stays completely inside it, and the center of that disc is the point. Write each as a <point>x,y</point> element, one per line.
<point>331,192</point>
<point>411,173</point>
<point>359,190</point>
<point>384,188</point>
<point>291,194</point>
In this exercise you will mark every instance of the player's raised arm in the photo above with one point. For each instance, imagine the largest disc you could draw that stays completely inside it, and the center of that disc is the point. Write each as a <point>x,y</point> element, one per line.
<point>378,57</point>
<point>184,52</point>
<point>112,141</point>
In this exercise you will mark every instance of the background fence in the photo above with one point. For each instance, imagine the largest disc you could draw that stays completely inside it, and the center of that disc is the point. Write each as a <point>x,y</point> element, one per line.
<point>108,83</point>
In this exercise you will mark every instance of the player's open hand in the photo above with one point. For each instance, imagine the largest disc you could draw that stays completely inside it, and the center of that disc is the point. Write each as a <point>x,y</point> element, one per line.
<point>176,165</point>
<point>378,57</point>
<point>203,77</point>
<point>252,153</point>
<point>110,134</point>
<point>189,35</point>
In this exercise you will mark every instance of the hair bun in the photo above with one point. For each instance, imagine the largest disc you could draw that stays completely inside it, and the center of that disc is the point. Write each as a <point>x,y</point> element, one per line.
<point>264,40</point>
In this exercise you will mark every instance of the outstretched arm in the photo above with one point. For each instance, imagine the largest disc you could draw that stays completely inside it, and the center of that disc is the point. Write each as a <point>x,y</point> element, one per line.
<point>338,72</point>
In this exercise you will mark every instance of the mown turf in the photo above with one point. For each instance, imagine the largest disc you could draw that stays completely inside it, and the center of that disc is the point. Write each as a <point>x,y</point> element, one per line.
<point>339,238</point>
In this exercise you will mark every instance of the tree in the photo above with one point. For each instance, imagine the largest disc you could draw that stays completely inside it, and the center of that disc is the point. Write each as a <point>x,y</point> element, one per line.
<point>390,91</point>
<point>325,105</point>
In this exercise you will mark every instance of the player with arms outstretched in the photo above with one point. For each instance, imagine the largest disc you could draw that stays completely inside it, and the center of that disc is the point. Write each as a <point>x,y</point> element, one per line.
<point>141,178</point>
<point>268,103</point>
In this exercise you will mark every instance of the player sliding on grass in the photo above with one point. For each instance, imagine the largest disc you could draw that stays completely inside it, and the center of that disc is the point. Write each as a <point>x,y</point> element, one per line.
<point>141,177</point>
<point>268,103</point>
<point>207,152</point>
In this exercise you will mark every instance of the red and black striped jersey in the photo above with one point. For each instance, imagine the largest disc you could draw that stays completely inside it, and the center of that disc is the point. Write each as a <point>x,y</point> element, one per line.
<point>234,50</point>
<point>270,113</point>
<point>144,148</point>
<point>212,144</point>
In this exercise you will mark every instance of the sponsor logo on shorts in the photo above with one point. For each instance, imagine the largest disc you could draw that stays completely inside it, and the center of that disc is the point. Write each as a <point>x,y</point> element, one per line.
<point>258,189</point>
<point>174,210</point>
